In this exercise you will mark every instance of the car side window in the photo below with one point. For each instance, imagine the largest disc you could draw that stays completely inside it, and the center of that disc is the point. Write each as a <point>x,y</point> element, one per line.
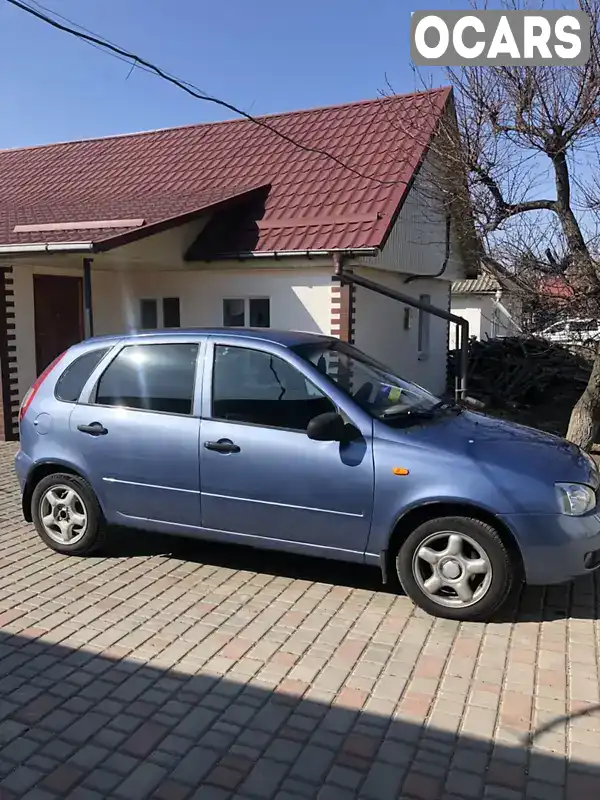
<point>70,384</point>
<point>151,377</point>
<point>258,388</point>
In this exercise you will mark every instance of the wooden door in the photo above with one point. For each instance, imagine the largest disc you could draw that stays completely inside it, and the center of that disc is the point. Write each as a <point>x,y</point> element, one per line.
<point>58,314</point>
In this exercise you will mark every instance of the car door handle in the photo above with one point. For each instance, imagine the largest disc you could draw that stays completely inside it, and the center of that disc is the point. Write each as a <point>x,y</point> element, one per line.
<point>222,446</point>
<point>94,429</point>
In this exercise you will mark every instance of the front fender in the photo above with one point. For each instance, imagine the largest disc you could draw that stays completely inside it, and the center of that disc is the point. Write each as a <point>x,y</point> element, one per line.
<point>431,477</point>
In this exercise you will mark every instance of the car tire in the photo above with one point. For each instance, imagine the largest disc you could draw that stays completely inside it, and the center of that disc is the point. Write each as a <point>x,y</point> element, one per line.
<point>83,515</point>
<point>445,559</point>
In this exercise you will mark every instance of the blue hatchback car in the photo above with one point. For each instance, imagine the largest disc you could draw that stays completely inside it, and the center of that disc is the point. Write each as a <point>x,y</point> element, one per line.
<point>302,443</point>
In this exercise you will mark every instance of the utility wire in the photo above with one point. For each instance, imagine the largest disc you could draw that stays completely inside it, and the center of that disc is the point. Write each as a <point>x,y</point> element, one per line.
<point>110,47</point>
<point>132,63</point>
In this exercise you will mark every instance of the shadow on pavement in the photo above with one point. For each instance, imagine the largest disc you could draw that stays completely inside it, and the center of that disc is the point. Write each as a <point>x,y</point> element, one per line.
<point>578,600</point>
<point>85,726</point>
<point>124,542</point>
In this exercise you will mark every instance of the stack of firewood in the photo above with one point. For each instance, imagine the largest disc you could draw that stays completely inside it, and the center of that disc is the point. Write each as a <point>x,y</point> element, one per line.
<point>519,371</point>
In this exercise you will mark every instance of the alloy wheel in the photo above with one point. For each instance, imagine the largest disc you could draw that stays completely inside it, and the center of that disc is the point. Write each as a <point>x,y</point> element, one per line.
<point>452,569</point>
<point>63,514</point>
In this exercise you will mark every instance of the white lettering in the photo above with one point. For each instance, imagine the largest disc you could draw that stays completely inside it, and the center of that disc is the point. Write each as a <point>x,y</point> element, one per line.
<point>537,32</point>
<point>440,26</point>
<point>560,31</point>
<point>503,42</point>
<point>457,37</point>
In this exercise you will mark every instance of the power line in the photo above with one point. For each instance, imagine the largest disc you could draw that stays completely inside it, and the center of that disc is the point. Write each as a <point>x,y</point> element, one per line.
<point>126,60</point>
<point>108,46</point>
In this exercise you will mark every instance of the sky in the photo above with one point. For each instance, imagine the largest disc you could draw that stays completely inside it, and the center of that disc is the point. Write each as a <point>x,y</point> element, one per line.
<point>262,55</point>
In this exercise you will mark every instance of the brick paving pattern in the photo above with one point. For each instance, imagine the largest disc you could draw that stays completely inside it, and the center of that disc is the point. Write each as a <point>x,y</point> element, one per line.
<point>180,670</point>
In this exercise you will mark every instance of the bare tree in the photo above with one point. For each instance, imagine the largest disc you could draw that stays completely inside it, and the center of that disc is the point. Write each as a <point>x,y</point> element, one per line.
<point>528,141</point>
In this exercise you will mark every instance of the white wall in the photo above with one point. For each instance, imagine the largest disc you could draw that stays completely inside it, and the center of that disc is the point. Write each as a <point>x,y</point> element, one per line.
<point>417,242</point>
<point>379,329</point>
<point>468,307</point>
<point>487,318</point>
<point>300,300</point>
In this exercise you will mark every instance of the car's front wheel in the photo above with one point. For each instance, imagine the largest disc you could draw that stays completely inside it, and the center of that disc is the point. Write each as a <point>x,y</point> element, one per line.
<point>67,515</point>
<point>456,567</point>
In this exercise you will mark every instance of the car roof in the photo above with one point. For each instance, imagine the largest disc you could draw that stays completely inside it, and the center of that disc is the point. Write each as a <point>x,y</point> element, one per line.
<point>284,338</point>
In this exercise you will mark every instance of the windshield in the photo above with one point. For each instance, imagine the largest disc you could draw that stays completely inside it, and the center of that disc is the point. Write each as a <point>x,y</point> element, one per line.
<point>373,387</point>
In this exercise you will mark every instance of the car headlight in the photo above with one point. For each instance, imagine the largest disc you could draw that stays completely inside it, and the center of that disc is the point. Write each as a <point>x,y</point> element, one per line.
<point>575,499</point>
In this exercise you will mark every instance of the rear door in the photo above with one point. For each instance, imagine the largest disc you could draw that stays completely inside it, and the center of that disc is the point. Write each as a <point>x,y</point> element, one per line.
<point>137,427</point>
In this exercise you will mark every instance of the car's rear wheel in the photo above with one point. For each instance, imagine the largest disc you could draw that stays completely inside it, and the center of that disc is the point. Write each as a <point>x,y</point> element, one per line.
<point>457,567</point>
<point>67,515</point>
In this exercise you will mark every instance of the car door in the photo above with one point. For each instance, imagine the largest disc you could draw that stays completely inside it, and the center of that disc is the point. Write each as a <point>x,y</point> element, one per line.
<point>137,428</point>
<point>261,477</point>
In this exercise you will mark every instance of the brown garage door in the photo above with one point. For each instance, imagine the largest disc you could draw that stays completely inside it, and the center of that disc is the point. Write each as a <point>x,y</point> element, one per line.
<point>58,316</point>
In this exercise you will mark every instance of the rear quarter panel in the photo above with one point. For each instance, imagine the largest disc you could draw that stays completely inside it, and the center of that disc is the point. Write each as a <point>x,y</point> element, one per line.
<point>45,436</point>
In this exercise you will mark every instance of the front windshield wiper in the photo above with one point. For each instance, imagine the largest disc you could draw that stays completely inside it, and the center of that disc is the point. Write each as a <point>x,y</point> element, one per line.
<point>408,413</point>
<point>402,412</point>
<point>444,405</point>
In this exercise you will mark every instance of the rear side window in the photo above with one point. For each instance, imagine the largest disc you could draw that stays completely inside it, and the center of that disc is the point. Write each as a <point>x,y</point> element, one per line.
<point>153,377</point>
<point>71,382</point>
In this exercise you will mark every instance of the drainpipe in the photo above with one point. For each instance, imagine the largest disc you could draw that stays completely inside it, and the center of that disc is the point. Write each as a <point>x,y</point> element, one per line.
<point>441,271</point>
<point>88,313</point>
<point>350,279</point>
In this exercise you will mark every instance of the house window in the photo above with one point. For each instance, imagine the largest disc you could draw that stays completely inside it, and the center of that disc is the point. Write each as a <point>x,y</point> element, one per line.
<point>171,314</point>
<point>148,315</point>
<point>424,327</point>
<point>159,313</point>
<point>241,311</point>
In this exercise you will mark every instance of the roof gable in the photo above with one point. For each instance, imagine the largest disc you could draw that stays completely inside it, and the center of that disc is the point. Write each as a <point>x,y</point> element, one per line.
<point>313,203</point>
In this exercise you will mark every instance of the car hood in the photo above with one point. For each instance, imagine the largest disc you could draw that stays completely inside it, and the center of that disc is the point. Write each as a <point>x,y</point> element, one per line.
<point>498,443</point>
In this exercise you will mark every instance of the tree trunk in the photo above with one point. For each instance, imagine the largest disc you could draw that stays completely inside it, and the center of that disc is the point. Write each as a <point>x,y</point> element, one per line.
<point>585,417</point>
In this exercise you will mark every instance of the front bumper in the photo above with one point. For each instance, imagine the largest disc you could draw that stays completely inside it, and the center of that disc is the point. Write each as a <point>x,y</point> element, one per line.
<point>555,547</point>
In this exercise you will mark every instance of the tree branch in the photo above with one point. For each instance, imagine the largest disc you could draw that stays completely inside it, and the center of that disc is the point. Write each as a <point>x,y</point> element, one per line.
<point>504,210</point>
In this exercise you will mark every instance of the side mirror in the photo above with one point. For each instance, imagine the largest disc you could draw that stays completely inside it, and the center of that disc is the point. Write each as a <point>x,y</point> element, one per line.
<point>329,427</point>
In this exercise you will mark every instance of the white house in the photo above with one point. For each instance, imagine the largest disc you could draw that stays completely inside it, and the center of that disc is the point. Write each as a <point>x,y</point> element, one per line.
<point>491,303</point>
<point>230,224</point>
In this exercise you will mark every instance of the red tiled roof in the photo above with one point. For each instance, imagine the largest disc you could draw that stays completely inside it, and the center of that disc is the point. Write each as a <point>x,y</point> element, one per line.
<point>313,203</point>
<point>153,209</point>
<point>556,287</point>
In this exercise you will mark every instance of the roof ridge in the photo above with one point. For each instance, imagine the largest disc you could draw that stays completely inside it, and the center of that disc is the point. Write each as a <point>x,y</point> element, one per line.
<point>275,115</point>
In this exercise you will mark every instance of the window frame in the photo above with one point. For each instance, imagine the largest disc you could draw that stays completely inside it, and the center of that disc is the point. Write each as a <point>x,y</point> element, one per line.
<point>160,312</point>
<point>209,383</point>
<point>246,301</point>
<point>142,300</point>
<point>90,390</point>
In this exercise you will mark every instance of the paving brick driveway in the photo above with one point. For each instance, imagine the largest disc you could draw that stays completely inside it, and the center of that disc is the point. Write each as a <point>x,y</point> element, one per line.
<point>177,670</point>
